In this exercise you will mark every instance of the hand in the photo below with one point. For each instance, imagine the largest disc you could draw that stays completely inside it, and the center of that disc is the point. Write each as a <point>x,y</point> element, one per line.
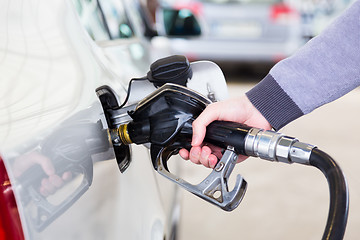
<point>50,184</point>
<point>238,110</point>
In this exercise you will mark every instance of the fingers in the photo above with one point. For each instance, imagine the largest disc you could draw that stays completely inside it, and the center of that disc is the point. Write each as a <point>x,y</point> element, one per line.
<point>200,155</point>
<point>184,154</point>
<point>54,182</point>
<point>195,154</point>
<point>67,176</point>
<point>209,160</point>
<point>212,160</point>
<point>50,185</point>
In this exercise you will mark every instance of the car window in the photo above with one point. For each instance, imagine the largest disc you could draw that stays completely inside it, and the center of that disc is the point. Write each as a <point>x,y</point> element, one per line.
<point>104,19</point>
<point>116,18</point>
<point>91,18</point>
<point>137,11</point>
<point>180,23</point>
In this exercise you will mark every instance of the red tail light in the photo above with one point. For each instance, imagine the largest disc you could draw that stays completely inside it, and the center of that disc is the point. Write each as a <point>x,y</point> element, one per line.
<point>283,13</point>
<point>10,225</point>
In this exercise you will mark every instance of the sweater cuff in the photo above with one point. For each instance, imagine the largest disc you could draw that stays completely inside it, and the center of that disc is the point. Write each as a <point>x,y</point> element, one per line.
<point>274,103</point>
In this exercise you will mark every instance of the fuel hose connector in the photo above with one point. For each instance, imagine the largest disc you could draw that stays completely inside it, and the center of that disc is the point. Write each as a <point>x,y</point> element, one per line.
<point>123,133</point>
<point>275,146</point>
<point>133,132</point>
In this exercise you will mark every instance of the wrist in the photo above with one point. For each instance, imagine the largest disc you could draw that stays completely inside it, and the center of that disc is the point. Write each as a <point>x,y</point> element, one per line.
<point>255,117</point>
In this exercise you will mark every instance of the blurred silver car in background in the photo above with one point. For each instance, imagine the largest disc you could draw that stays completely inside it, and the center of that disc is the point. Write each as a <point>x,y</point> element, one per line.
<point>232,30</point>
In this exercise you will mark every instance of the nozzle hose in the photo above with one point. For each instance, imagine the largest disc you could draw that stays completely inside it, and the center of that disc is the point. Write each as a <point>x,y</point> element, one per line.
<point>274,146</point>
<point>339,195</point>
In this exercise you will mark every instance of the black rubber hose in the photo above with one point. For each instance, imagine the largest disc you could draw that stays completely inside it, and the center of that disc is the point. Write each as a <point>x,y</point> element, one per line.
<point>339,195</point>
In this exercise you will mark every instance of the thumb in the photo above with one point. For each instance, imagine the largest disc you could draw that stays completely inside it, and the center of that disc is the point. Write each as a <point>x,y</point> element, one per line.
<point>209,115</point>
<point>45,164</point>
<point>199,131</point>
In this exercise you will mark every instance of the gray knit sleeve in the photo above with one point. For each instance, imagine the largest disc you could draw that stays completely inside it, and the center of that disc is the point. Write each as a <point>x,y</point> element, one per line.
<point>326,68</point>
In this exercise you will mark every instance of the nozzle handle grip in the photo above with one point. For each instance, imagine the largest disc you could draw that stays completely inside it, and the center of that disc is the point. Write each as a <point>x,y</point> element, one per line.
<point>224,134</point>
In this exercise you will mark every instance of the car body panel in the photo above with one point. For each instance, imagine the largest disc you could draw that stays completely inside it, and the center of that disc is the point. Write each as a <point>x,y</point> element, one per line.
<point>50,68</point>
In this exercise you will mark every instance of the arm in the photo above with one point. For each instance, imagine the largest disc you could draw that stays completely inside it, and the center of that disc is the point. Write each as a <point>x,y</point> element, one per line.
<point>326,68</point>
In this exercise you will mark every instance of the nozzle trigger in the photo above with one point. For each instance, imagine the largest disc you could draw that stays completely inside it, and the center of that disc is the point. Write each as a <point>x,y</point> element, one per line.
<point>214,187</point>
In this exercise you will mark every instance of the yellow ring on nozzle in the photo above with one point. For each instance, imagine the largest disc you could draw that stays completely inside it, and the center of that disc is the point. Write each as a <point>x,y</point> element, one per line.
<point>124,135</point>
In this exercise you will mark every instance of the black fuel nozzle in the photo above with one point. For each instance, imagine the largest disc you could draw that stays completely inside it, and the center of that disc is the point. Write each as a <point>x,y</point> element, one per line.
<point>162,132</point>
<point>164,119</point>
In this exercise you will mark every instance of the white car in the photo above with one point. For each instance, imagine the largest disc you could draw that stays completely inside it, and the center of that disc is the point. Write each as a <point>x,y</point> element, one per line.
<point>59,178</point>
<point>59,168</point>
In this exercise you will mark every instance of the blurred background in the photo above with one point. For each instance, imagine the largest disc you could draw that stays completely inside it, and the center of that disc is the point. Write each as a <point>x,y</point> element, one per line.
<point>246,38</point>
<point>251,32</point>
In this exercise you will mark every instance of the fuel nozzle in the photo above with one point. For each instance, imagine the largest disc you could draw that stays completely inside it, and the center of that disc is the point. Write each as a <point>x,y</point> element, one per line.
<point>164,120</point>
